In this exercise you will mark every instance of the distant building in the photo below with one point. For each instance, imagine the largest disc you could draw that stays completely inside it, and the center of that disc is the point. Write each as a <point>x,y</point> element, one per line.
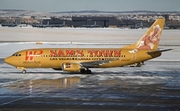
<point>95,21</point>
<point>57,22</point>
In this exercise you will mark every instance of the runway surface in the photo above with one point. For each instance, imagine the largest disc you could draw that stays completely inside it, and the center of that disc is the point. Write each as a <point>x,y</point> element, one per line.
<point>153,87</point>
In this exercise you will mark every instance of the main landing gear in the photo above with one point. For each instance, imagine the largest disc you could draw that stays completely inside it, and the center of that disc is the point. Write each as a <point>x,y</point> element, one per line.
<point>85,71</point>
<point>139,64</point>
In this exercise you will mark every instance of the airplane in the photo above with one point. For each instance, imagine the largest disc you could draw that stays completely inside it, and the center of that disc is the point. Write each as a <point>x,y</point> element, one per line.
<point>82,59</point>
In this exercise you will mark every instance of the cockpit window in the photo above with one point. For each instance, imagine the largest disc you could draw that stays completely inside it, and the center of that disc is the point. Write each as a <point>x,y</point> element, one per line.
<point>16,54</point>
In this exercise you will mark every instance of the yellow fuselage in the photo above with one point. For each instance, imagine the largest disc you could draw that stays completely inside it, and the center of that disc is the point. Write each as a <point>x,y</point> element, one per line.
<point>55,57</point>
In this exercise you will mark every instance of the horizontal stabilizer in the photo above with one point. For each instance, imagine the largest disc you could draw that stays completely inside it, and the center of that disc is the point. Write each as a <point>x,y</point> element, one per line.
<point>152,52</point>
<point>165,50</point>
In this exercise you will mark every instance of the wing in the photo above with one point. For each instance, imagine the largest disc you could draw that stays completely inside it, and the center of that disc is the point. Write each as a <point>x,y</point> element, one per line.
<point>92,64</point>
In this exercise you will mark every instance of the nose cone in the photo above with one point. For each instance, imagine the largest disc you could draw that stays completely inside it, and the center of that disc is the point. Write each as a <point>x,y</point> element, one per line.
<point>8,60</point>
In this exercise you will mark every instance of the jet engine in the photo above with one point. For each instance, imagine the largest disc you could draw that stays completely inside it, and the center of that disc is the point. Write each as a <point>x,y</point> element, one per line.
<point>71,67</point>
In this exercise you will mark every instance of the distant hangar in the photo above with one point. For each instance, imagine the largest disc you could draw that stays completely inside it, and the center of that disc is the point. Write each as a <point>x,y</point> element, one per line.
<point>88,22</point>
<point>82,21</point>
<point>91,22</point>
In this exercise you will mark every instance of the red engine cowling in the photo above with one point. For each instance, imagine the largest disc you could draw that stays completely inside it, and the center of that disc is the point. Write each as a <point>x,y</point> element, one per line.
<point>71,67</point>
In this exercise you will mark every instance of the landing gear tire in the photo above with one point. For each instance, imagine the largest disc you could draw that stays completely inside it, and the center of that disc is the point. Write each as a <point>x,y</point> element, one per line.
<point>83,71</point>
<point>88,71</point>
<point>138,64</point>
<point>24,71</point>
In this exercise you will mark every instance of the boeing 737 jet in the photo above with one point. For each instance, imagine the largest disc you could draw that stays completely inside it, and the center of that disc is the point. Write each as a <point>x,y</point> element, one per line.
<point>82,59</point>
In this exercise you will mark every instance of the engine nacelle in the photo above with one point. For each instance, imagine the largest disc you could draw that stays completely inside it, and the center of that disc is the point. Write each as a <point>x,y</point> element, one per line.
<point>71,67</point>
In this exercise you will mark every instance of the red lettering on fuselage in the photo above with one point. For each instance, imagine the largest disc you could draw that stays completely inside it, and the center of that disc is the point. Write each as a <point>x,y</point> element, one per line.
<point>104,53</point>
<point>80,53</point>
<point>53,53</point>
<point>108,53</point>
<point>70,53</point>
<point>30,54</point>
<point>117,53</point>
<point>66,53</point>
<point>90,53</point>
<point>61,53</point>
<point>56,53</point>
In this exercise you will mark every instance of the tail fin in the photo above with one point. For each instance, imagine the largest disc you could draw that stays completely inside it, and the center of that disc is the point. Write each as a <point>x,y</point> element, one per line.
<point>150,40</point>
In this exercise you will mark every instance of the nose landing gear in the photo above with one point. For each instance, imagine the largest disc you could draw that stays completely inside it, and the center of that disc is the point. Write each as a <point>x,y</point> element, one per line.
<point>23,69</point>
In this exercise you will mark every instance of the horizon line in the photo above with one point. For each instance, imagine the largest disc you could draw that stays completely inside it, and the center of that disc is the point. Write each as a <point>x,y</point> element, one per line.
<point>95,11</point>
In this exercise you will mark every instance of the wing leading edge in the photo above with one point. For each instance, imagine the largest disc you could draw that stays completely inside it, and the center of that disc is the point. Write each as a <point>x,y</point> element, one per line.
<point>92,64</point>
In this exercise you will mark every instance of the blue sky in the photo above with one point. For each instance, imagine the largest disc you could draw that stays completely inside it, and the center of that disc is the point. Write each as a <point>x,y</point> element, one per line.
<point>101,5</point>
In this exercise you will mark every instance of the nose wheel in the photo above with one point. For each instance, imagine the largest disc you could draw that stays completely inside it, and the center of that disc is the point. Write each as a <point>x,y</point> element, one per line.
<point>24,71</point>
